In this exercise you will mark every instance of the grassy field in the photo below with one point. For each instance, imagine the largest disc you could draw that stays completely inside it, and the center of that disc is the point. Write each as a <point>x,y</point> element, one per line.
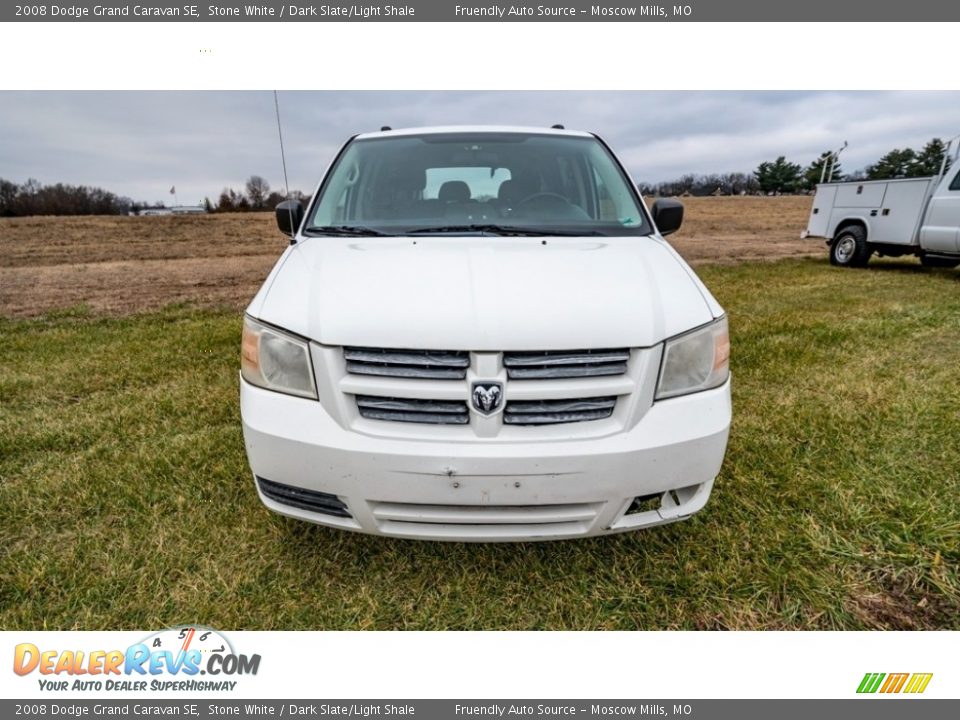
<point>126,501</point>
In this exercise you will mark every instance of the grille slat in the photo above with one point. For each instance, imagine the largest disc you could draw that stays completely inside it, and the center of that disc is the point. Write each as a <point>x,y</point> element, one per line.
<point>407,405</point>
<point>556,373</point>
<point>405,371</point>
<point>415,417</point>
<point>431,412</point>
<point>566,358</point>
<point>556,412</point>
<point>312,500</point>
<point>565,364</point>
<point>431,364</point>
<point>580,405</point>
<point>555,418</point>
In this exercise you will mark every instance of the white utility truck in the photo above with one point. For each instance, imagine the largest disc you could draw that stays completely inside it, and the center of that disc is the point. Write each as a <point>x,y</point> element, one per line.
<point>912,216</point>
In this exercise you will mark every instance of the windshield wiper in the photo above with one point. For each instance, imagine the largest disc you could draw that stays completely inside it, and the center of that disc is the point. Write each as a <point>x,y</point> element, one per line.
<point>359,230</point>
<point>509,230</point>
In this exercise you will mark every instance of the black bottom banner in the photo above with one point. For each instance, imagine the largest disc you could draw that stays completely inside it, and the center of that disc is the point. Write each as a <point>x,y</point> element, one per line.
<point>868,708</point>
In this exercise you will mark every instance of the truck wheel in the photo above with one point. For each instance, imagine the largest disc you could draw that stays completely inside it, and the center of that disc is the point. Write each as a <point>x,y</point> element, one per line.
<point>938,262</point>
<point>850,248</point>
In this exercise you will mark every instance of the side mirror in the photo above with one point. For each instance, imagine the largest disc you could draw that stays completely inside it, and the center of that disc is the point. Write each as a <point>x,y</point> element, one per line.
<point>668,216</point>
<point>289,216</point>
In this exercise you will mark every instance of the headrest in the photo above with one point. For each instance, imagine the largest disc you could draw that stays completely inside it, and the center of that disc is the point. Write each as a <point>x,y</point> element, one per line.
<point>521,185</point>
<point>454,191</point>
<point>506,192</point>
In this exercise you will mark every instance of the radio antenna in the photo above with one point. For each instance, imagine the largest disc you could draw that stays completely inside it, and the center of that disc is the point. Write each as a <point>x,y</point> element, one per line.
<point>283,160</point>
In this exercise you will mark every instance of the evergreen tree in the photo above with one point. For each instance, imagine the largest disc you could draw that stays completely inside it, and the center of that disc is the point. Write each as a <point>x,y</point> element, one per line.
<point>778,176</point>
<point>813,173</point>
<point>895,164</point>
<point>928,161</point>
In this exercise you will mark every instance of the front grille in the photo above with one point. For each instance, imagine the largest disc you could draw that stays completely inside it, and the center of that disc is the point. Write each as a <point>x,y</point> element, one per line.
<point>565,364</point>
<point>555,412</point>
<point>394,385</point>
<point>312,500</point>
<point>432,412</point>
<point>429,364</point>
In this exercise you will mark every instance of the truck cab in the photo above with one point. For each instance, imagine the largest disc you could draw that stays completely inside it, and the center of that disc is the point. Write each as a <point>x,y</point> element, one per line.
<point>940,231</point>
<point>909,216</point>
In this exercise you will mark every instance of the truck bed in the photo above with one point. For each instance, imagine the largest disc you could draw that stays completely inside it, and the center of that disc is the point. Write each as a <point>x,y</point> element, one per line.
<point>890,209</point>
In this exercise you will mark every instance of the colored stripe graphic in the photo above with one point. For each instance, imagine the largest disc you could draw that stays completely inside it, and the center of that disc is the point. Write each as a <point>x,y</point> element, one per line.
<point>894,683</point>
<point>870,683</point>
<point>918,682</point>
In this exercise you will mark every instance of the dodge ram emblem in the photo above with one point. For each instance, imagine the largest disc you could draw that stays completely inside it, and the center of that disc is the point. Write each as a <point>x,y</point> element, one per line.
<point>487,397</point>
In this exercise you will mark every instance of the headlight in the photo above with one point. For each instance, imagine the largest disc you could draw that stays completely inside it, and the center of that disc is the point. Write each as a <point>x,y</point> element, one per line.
<point>274,360</point>
<point>698,360</point>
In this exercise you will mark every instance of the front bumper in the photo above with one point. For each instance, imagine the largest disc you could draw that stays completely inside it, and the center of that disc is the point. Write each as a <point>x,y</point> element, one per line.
<point>490,490</point>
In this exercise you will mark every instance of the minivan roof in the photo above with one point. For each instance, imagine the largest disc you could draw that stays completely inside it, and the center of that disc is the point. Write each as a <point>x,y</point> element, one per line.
<point>473,129</point>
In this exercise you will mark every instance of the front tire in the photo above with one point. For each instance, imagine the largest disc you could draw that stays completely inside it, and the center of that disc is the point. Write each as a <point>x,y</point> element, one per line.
<point>850,248</point>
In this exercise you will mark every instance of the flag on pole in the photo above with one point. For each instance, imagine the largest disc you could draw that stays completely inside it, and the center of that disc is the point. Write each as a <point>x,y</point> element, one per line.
<point>173,189</point>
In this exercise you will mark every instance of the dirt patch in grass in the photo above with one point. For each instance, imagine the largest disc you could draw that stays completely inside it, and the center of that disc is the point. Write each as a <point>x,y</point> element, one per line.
<point>899,602</point>
<point>121,265</point>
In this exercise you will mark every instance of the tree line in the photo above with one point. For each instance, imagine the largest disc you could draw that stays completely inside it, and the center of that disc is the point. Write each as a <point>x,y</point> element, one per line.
<point>258,196</point>
<point>34,198</point>
<point>781,176</point>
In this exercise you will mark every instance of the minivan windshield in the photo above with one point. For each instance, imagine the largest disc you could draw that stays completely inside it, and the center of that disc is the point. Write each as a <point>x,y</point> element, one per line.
<point>509,183</point>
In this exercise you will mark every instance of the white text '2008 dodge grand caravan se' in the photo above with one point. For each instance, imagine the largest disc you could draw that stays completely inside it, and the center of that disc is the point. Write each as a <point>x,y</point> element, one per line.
<point>479,333</point>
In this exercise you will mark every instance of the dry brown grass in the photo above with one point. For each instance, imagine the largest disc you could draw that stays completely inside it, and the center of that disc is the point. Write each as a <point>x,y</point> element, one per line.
<point>734,229</point>
<point>120,265</point>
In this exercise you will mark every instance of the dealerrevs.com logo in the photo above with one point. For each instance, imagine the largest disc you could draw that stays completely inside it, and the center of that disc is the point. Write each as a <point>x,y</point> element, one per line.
<point>173,659</point>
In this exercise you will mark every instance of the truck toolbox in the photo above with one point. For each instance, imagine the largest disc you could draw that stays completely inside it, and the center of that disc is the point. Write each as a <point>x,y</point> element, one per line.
<point>860,195</point>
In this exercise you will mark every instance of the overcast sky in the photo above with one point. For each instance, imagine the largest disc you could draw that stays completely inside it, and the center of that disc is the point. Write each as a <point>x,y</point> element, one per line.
<point>139,144</point>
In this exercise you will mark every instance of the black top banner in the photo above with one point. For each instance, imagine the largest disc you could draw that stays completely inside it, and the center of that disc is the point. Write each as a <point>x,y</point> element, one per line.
<point>479,11</point>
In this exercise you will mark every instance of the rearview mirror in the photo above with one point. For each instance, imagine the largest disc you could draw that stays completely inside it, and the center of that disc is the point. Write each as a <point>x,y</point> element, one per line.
<point>668,216</point>
<point>289,216</point>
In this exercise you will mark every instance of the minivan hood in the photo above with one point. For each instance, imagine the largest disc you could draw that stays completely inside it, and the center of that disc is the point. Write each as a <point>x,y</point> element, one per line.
<point>483,293</point>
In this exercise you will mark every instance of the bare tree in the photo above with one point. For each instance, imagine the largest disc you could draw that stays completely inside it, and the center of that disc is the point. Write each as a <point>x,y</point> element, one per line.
<point>33,198</point>
<point>258,189</point>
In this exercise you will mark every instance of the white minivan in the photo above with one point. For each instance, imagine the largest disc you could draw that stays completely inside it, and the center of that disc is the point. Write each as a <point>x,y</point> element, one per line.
<point>479,333</point>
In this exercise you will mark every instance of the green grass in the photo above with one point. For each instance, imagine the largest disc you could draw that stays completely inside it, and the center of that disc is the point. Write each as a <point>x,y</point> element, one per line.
<point>126,501</point>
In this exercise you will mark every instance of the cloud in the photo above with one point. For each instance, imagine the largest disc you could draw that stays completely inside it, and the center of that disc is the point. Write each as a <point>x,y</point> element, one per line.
<point>138,144</point>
